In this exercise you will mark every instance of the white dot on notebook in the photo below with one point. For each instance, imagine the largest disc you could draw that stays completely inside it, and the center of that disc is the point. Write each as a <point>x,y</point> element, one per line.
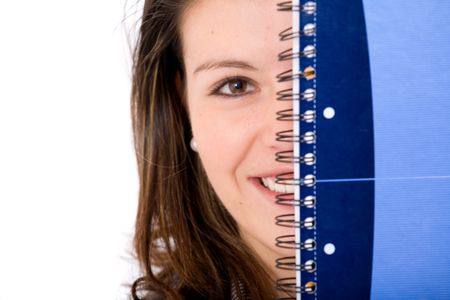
<point>329,248</point>
<point>329,113</point>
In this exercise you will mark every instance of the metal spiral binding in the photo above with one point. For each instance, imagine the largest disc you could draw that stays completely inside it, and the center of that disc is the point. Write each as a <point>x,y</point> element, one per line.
<point>307,138</point>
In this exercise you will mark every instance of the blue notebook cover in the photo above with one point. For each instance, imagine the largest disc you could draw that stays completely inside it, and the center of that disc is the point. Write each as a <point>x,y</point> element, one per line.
<point>382,147</point>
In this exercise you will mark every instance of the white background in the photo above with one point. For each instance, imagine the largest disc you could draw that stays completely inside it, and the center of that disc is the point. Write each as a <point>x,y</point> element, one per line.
<point>68,183</point>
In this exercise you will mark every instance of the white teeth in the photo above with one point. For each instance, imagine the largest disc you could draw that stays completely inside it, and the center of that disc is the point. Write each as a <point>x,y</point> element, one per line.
<point>277,187</point>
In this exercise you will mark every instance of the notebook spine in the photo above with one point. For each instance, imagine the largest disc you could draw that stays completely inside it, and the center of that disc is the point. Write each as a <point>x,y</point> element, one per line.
<point>303,156</point>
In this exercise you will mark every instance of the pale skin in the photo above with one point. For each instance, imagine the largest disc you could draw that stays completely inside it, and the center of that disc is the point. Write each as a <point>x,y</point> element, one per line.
<point>230,50</point>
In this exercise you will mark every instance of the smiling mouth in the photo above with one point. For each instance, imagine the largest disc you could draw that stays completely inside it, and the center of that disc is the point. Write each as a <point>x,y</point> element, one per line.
<point>270,184</point>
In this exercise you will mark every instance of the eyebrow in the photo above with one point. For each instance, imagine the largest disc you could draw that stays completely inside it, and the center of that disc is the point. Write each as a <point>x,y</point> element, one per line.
<point>224,64</point>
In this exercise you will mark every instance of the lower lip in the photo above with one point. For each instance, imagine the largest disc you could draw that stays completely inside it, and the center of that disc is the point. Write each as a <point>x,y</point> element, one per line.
<point>268,193</point>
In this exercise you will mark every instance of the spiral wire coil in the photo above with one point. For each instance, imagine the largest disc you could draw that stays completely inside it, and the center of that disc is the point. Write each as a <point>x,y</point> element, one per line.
<point>307,140</point>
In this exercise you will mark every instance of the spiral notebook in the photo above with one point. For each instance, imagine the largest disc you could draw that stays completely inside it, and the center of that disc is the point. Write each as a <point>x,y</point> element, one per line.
<point>371,94</point>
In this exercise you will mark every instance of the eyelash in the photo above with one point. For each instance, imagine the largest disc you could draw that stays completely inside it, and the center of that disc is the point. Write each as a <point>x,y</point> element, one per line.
<point>216,89</point>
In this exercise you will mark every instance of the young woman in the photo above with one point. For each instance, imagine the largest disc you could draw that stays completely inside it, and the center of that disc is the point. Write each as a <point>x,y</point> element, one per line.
<point>204,119</point>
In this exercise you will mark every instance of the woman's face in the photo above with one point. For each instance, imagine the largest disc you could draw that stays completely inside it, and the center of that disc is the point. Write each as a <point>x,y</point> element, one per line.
<point>230,50</point>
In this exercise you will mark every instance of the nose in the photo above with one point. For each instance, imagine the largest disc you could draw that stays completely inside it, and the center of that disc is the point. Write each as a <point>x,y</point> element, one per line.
<point>277,132</point>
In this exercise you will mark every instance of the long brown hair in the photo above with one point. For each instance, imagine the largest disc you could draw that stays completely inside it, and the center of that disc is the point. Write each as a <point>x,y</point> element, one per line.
<point>188,245</point>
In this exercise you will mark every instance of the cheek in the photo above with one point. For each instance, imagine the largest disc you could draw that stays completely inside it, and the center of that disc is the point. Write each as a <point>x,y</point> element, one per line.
<point>223,139</point>
<point>220,141</point>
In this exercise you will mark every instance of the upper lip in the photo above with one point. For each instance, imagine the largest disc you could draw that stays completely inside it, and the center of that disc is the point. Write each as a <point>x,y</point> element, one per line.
<point>273,173</point>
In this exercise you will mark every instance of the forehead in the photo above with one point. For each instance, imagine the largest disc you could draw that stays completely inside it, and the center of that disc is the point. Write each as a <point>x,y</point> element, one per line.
<point>236,29</point>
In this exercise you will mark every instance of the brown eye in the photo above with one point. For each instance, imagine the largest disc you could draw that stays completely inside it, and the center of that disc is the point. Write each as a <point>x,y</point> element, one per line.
<point>235,87</point>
